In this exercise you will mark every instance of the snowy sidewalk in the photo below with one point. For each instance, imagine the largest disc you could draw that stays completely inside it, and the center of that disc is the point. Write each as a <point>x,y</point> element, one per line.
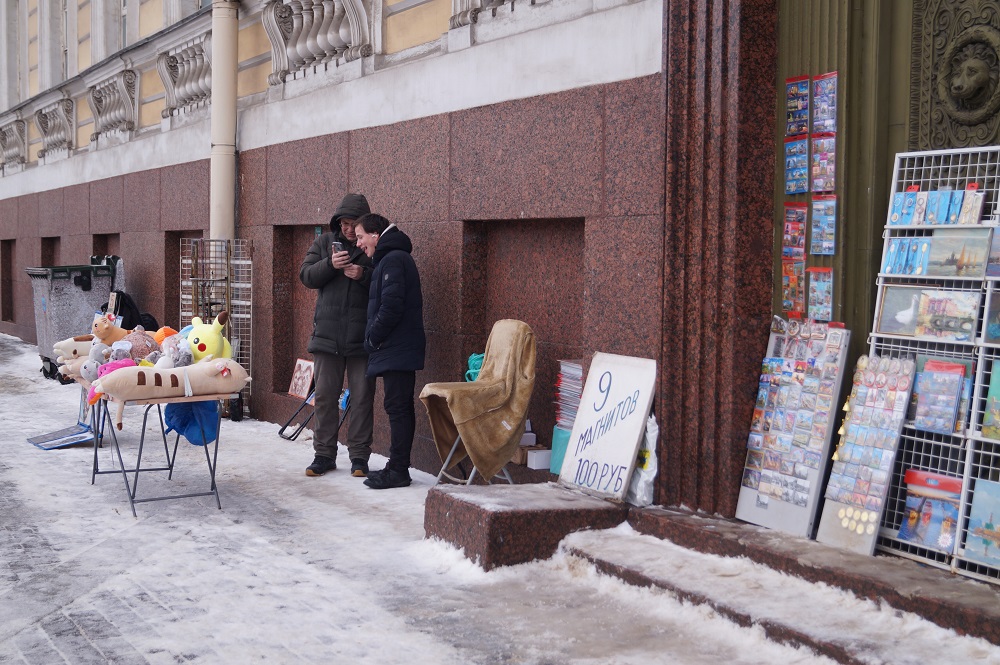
<point>324,570</point>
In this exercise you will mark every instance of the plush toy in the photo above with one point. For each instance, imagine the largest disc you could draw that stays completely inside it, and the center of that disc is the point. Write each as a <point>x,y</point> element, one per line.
<point>105,329</point>
<point>163,333</point>
<point>176,353</point>
<point>120,350</point>
<point>72,348</point>
<point>71,369</point>
<point>100,352</point>
<point>207,339</point>
<point>142,343</point>
<point>88,371</point>
<point>104,370</point>
<point>208,377</point>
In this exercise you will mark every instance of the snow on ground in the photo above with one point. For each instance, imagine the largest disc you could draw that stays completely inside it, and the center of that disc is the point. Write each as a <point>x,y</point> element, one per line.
<point>296,569</point>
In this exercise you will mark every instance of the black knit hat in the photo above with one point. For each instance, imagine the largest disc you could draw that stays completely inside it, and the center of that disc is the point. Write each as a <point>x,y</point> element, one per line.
<point>353,206</point>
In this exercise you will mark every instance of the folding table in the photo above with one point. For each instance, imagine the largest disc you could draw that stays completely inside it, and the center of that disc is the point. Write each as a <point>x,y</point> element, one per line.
<point>101,412</point>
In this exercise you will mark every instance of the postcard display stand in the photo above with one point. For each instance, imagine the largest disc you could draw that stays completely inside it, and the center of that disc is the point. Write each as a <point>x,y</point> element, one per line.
<point>794,418</point>
<point>940,305</point>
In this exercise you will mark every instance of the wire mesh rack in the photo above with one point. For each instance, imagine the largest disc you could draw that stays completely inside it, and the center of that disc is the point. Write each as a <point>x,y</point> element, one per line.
<point>967,454</point>
<point>953,170</point>
<point>217,275</point>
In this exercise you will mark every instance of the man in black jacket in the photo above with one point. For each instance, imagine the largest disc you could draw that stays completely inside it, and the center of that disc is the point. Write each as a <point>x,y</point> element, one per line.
<point>341,279</point>
<point>394,338</point>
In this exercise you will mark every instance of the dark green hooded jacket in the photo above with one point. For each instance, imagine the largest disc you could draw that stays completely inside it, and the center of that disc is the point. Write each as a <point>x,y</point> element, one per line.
<point>341,302</point>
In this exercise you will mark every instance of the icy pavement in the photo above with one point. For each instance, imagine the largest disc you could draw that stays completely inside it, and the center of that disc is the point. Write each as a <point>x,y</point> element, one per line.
<point>324,570</point>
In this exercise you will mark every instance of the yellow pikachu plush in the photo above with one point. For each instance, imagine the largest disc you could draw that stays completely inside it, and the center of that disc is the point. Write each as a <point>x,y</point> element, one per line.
<point>206,339</point>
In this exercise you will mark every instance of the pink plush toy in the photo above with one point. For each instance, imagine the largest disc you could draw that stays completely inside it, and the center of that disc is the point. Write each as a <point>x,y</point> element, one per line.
<point>92,395</point>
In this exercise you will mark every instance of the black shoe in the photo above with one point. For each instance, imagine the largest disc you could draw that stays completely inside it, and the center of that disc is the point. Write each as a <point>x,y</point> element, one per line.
<point>387,479</point>
<point>359,468</point>
<point>321,464</point>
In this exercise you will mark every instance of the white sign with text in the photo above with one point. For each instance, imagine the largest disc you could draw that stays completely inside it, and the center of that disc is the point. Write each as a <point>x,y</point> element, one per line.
<point>609,425</point>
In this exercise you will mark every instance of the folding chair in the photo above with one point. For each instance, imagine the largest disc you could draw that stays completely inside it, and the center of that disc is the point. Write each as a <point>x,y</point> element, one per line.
<point>484,419</point>
<point>443,473</point>
<point>345,406</point>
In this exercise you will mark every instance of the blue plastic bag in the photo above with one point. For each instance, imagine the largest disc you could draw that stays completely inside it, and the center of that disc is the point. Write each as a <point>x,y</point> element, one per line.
<point>197,422</point>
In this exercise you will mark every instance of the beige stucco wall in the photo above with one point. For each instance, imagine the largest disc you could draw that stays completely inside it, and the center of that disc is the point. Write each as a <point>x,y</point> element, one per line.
<point>422,24</point>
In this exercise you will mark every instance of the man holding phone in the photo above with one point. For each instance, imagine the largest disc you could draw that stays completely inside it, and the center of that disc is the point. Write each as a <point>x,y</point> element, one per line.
<point>340,272</point>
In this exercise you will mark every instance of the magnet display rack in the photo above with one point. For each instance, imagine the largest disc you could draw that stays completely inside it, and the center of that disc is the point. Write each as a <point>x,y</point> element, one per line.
<point>966,454</point>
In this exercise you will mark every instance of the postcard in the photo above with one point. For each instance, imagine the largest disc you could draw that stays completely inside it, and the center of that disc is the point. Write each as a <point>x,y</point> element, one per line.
<point>958,253</point>
<point>993,263</point>
<point>825,103</point>
<point>991,412</point>
<point>991,333</point>
<point>947,315</point>
<point>797,105</point>
<point>898,312</point>
<point>302,379</point>
<point>982,542</point>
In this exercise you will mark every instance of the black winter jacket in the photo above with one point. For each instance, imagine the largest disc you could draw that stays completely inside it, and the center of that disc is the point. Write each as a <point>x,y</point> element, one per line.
<point>339,320</point>
<point>394,337</point>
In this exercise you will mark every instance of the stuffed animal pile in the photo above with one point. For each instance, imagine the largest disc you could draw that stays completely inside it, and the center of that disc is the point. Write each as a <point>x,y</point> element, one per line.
<point>209,376</point>
<point>136,364</point>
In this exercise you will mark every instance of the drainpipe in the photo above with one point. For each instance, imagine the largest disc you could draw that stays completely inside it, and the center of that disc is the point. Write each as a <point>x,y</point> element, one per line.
<point>222,195</point>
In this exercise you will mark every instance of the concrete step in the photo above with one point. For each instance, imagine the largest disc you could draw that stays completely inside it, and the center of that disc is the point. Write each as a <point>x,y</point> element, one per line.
<point>969,607</point>
<point>791,610</point>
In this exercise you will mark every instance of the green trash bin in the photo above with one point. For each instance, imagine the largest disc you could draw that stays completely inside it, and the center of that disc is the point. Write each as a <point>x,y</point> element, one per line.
<point>66,298</point>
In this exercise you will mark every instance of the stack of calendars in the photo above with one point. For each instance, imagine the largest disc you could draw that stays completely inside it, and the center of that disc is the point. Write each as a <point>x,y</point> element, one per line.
<point>569,390</point>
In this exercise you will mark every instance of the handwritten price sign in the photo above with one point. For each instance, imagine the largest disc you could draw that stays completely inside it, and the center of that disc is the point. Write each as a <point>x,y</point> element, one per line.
<point>609,424</point>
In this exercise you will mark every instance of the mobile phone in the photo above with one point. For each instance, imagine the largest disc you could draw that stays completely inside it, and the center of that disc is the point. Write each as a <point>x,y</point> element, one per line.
<point>338,246</point>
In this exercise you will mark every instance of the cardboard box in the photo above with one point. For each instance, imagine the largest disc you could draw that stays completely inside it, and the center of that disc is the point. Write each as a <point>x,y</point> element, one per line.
<point>539,459</point>
<point>521,454</point>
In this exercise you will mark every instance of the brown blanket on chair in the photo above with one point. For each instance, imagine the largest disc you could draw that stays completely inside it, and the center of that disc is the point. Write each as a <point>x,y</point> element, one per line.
<point>489,412</point>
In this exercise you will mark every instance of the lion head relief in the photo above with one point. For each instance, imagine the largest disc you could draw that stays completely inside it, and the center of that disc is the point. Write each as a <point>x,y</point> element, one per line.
<point>968,79</point>
<point>975,72</point>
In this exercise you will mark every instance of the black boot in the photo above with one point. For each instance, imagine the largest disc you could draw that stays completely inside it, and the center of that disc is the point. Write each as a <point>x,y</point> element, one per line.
<point>387,479</point>
<point>321,464</point>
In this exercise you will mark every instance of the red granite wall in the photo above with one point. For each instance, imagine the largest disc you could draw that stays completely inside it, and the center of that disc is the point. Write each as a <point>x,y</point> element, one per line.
<point>631,218</point>
<point>548,210</point>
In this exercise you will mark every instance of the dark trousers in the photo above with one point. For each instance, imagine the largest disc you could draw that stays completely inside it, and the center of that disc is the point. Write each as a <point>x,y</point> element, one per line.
<point>328,372</point>
<point>398,387</point>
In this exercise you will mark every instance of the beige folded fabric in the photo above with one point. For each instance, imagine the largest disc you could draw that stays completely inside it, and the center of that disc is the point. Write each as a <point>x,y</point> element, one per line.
<point>489,412</point>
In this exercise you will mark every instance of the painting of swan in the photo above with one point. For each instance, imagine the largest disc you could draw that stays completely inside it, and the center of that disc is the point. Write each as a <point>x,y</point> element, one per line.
<point>898,315</point>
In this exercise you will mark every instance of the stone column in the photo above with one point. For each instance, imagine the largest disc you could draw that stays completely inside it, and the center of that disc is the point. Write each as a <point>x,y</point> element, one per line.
<point>720,64</point>
<point>222,196</point>
<point>50,69</point>
<point>8,55</point>
<point>105,29</point>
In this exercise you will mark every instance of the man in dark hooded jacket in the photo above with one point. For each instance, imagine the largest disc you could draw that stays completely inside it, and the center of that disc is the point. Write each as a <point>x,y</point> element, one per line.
<point>394,338</point>
<point>337,343</point>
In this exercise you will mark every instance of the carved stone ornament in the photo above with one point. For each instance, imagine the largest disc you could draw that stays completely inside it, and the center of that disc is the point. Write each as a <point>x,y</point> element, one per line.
<point>14,143</point>
<point>113,103</point>
<point>463,12</point>
<point>955,75</point>
<point>55,123</point>
<point>312,35</point>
